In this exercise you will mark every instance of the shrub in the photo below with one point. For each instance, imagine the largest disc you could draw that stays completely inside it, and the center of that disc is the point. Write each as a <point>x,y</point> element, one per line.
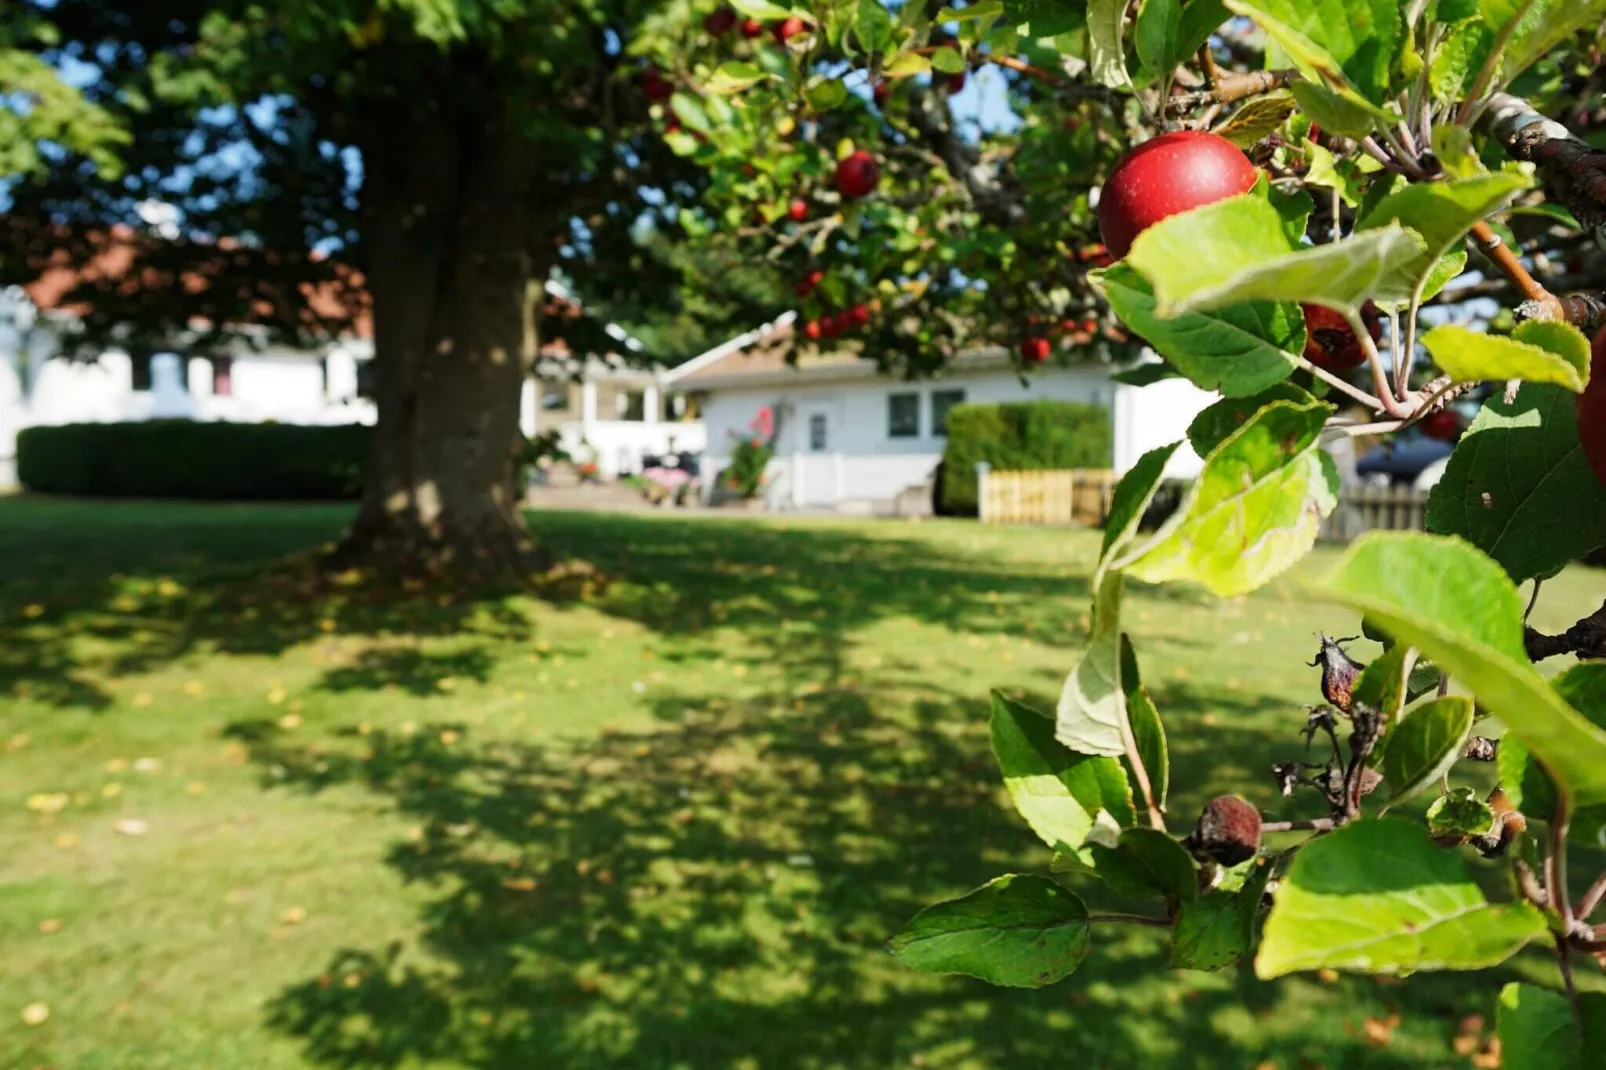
<point>1019,436</point>
<point>185,459</point>
<point>744,477</point>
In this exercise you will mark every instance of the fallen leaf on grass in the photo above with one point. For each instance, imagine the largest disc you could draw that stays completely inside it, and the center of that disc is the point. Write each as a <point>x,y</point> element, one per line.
<point>33,611</point>
<point>195,787</point>
<point>65,840</point>
<point>49,802</point>
<point>294,916</point>
<point>50,925</point>
<point>142,699</point>
<point>131,826</point>
<point>35,1014</point>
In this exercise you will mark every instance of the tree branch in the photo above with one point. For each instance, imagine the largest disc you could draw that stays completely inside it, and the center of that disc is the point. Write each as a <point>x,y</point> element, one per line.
<point>1574,173</point>
<point>1229,88</point>
<point>1538,302</point>
<point>1587,639</point>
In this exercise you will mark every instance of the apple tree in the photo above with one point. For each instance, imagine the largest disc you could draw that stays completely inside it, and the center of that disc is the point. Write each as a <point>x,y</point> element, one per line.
<point>1269,194</point>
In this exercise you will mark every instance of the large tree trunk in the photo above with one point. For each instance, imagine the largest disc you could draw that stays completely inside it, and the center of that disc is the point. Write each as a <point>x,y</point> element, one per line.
<point>448,227</point>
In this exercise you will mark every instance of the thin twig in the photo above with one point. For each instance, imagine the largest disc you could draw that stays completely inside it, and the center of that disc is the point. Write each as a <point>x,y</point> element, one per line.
<point>1340,384</point>
<point>1207,63</point>
<point>1229,88</point>
<point>1592,898</point>
<point>1315,824</point>
<point>1533,600</point>
<point>1556,883</point>
<point>1486,73</point>
<point>1380,377</point>
<point>1491,245</point>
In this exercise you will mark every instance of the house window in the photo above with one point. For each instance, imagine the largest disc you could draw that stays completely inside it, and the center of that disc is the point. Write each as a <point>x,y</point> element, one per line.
<point>941,402</point>
<point>903,415</point>
<point>223,376</point>
<point>631,405</point>
<point>817,432</point>
<point>554,397</point>
<point>141,365</point>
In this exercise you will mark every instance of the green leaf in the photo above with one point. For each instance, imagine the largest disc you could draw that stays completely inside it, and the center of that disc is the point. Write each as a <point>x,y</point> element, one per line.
<point>983,9</point>
<point>762,10</point>
<point>1343,113</point>
<point>825,96</point>
<point>1132,496</point>
<point>1236,250</point>
<point>872,27</point>
<point>1340,43</point>
<point>1425,744</point>
<point>1524,782</point>
<point>1148,730</point>
<point>1019,931</point>
<point>947,60</point>
<point>734,76</point>
<point>1254,510</point>
<point>1046,18</point>
<point>1459,608</point>
<point>1377,896</point>
<point>907,65</point>
<point>1237,350</point>
<point>1158,22</point>
<point>1258,118</point>
<point>1384,683</point>
<point>1468,356</point>
<point>1518,486</point>
<point>1200,19</point>
<point>1146,374</point>
<point>1562,339</point>
<point>1459,815</point>
<point>1217,929</point>
<point>1060,793</point>
<point>1443,212</point>
<point>1216,422</point>
<point>1147,862</point>
<point>1537,1030</point>
<point>1106,58</point>
<point>1556,21</point>
<point>1091,717</point>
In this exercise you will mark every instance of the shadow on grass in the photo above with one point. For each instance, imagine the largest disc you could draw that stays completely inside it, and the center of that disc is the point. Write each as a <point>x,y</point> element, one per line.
<point>94,590</point>
<point>717,896</point>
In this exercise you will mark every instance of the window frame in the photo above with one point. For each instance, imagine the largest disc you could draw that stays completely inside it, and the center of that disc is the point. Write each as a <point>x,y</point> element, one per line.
<point>939,423</point>
<point>911,396</point>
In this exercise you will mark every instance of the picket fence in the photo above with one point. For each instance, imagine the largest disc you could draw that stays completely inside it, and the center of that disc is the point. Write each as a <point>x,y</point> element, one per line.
<point>1081,496</point>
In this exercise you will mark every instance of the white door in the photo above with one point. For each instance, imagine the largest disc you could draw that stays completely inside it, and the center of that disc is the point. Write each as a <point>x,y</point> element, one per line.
<point>819,460</point>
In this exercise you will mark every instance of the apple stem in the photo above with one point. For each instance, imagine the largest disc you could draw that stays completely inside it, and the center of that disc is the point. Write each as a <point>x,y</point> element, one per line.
<point>1380,378</point>
<point>1341,385</point>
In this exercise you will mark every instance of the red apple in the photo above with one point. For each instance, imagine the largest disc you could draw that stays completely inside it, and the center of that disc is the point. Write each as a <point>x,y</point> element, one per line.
<point>672,125</point>
<point>807,283</point>
<point>1330,344</point>
<point>718,23</point>
<point>859,314</point>
<point>1592,410</point>
<point>653,86</point>
<point>1167,175</point>
<point>751,28</point>
<point>788,28</point>
<point>831,326</point>
<point>811,329</point>
<point>798,210</point>
<point>882,94</point>
<point>1443,424</point>
<point>857,175</point>
<point>1034,350</point>
<point>956,82</point>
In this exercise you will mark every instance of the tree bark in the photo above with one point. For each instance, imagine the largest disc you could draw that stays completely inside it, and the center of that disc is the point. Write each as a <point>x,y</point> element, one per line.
<point>448,222</point>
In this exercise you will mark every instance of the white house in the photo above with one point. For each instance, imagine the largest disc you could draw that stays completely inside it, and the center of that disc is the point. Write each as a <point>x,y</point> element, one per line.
<point>852,438</point>
<point>603,407</point>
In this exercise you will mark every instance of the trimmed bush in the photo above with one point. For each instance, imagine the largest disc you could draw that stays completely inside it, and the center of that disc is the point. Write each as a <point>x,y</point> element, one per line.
<point>1019,436</point>
<point>185,459</point>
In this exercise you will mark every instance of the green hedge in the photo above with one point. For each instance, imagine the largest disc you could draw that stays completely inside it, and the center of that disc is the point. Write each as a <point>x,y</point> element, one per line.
<point>1019,436</point>
<point>185,459</point>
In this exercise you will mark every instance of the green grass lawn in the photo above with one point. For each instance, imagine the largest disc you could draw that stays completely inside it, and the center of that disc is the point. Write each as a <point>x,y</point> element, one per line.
<point>665,817</point>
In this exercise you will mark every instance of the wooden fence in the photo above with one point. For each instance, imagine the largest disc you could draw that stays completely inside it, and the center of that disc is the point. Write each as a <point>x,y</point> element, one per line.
<point>1051,496</point>
<point>1081,496</point>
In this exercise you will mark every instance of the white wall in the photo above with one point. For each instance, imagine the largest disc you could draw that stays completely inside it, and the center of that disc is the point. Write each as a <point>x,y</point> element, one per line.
<point>1148,417</point>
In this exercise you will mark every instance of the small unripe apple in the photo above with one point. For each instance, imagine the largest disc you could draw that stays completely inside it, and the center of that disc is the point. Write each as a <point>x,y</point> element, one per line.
<point>798,210</point>
<point>718,23</point>
<point>653,86</point>
<point>857,174</point>
<point>882,93</point>
<point>811,329</point>
<point>807,283</point>
<point>1034,350</point>
<point>1592,410</point>
<point>1443,425</point>
<point>788,28</point>
<point>1166,175</point>
<point>751,28</point>
<point>956,82</point>
<point>859,315</point>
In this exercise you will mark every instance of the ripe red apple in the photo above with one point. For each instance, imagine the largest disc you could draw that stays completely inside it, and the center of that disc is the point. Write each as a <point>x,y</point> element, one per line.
<point>672,125</point>
<point>1592,410</point>
<point>718,23</point>
<point>1034,350</point>
<point>653,86</point>
<point>956,82</point>
<point>1167,175</point>
<point>788,28</point>
<point>832,326</point>
<point>1443,424</point>
<point>857,175</point>
<point>1330,344</point>
<point>751,28</point>
<point>859,314</point>
<point>811,329</point>
<point>807,283</point>
<point>798,210</point>
<point>882,94</point>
